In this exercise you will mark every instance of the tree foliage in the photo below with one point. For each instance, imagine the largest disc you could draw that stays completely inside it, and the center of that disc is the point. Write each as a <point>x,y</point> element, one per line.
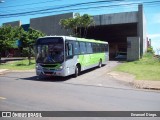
<point>74,25</point>
<point>9,35</point>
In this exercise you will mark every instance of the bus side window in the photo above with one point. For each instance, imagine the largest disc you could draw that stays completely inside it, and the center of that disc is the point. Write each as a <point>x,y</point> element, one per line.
<point>106,48</point>
<point>83,48</point>
<point>94,48</point>
<point>98,48</point>
<point>89,48</point>
<point>69,50</point>
<point>76,48</point>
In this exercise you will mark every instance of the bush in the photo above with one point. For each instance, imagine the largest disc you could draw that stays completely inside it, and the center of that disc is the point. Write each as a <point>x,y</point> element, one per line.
<point>150,50</point>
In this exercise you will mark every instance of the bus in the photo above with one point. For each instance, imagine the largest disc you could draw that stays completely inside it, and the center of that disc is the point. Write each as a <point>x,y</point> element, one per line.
<point>65,55</point>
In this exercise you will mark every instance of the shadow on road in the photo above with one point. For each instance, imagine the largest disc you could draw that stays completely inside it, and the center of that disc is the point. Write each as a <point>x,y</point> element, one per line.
<point>56,78</point>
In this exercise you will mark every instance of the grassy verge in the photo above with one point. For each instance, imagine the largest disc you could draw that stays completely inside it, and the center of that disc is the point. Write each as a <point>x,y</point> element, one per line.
<point>147,68</point>
<point>18,65</point>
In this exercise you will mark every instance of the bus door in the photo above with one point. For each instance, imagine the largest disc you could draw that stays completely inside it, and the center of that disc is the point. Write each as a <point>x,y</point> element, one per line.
<point>83,57</point>
<point>69,58</point>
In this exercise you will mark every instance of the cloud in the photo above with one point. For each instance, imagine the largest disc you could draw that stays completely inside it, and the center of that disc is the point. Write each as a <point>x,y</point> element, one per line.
<point>155,41</point>
<point>154,36</point>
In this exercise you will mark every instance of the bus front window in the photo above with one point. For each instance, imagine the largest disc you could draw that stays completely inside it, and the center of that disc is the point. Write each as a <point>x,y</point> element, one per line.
<point>50,53</point>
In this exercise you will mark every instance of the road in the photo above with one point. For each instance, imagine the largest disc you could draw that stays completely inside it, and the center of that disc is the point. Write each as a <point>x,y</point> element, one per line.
<point>23,91</point>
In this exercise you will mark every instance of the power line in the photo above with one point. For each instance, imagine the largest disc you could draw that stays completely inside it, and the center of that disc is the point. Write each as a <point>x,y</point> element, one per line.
<point>30,4</point>
<point>78,4</point>
<point>74,9</point>
<point>63,7</point>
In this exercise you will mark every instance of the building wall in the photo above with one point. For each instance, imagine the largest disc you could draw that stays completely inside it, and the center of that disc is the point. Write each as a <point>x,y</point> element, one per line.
<point>13,24</point>
<point>133,48</point>
<point>117,18</point>
<point>50,24</point>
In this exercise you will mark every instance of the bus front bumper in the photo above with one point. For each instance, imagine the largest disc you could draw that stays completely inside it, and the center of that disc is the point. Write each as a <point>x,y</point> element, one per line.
<point>41,72</point>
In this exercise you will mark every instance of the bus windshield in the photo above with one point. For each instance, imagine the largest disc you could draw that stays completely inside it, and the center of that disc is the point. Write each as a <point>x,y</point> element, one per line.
<point>50,50</point>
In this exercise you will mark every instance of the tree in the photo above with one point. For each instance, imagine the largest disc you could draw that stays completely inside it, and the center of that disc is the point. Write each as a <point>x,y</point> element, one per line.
<point>78,22</point>
<point>87,21</point>
<point>28,40</point>
<point>7,38</point>
<point>9,35</point>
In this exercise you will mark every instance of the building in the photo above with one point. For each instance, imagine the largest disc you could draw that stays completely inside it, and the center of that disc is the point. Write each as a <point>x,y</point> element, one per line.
<point>125,32</point>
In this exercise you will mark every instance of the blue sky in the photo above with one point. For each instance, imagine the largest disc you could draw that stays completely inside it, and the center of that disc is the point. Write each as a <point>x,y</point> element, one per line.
<point>151,10</point>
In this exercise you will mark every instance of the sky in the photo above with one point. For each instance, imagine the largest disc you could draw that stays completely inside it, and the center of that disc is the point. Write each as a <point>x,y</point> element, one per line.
<point>23,10</point>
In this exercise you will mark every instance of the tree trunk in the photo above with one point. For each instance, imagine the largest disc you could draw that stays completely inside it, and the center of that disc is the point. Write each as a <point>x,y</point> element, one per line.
<point>85,32</point>
<point>29,55</point>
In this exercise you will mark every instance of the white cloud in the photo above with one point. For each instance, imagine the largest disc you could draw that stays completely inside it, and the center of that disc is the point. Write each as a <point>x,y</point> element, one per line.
<point>156,45</point>
<point>154,36</point>
<point>155,41</point>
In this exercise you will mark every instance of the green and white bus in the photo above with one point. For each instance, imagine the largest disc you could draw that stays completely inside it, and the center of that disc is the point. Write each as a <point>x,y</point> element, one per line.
<point>64,55</point>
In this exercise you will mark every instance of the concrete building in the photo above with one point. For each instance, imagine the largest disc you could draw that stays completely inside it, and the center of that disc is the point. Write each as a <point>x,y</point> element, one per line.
<point>125,32</point>
<point>13,24</point>
<point>50,24</point>
<point>119,29</point>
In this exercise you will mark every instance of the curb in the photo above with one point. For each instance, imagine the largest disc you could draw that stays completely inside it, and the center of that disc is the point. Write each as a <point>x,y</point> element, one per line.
<point>130,79</point>
<point>146,84</point>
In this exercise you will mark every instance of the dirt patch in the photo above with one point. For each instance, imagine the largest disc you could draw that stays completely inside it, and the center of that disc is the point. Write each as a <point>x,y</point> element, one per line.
<point>122,76</point>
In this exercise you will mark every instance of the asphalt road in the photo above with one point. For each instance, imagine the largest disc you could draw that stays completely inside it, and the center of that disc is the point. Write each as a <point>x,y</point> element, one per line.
<point>93,90</point>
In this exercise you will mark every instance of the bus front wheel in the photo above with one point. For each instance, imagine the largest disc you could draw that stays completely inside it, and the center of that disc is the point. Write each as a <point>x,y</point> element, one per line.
<point>76,71</point>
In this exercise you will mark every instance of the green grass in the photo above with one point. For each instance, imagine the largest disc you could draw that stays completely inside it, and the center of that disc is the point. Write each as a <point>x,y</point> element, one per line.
<point>18,65</point>
<point>147,68</point>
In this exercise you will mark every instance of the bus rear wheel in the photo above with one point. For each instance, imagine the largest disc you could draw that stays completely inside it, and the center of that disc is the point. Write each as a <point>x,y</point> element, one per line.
<point>100,63</point>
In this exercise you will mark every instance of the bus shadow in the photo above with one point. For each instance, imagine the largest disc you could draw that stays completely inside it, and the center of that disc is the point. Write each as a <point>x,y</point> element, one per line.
<point>57,78</point>
<point>47,78</point>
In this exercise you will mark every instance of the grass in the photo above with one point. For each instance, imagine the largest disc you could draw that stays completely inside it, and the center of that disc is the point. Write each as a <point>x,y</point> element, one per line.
<point>147,68</point>
<point>18,65</point>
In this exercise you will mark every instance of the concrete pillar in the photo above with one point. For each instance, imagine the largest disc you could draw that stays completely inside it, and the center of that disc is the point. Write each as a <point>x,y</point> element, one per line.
<point>133,48</point>
<point>140,28</point>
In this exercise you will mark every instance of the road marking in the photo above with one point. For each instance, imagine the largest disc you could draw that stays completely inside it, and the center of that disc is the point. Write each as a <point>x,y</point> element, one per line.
<point>2,98</point>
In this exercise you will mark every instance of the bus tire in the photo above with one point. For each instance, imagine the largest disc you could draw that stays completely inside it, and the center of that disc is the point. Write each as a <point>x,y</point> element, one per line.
<point>100,63</point>
<point>76,71</point>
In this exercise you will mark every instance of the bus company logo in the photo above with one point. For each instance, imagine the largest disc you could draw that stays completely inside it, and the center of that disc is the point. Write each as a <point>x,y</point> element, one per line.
<point>6,114</point>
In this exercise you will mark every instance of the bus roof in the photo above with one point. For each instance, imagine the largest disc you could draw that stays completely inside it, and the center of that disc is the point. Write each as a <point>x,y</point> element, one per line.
<point>78,39</point>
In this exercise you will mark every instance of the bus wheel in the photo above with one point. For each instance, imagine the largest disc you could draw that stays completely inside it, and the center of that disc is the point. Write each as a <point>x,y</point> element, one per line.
<point>76,71</point>
<point>100,63</point>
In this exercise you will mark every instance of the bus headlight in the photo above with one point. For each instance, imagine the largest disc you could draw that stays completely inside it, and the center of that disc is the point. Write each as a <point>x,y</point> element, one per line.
<point>59,68</point>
